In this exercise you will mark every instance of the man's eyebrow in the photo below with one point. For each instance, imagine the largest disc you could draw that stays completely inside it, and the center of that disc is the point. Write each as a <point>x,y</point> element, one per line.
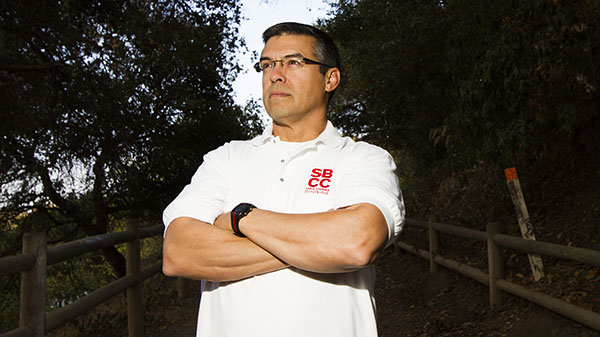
<point>286,56</point>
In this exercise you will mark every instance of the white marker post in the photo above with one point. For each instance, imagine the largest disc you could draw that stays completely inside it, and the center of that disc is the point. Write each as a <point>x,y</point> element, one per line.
<point>514,186</point>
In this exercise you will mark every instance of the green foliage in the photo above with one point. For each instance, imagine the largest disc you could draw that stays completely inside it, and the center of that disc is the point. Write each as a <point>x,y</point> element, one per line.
<point>70,280</point>
<point>108,107</point>
<point>9,297</point>
<point>464,89</point>
<point>393,90</point>
<point>528,92</point>
<point>109,319</point>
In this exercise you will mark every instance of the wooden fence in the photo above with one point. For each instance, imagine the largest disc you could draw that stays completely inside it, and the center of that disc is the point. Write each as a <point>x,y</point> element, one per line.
<point>494,279</point>
<point>36,256</point>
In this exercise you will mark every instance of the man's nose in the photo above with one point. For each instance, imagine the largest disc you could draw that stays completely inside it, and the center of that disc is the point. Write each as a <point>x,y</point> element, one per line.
<point>277,73</point>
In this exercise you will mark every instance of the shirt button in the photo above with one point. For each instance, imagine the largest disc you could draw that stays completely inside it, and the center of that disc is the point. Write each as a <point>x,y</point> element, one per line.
<point>281,179</point>
<point>283,160</point>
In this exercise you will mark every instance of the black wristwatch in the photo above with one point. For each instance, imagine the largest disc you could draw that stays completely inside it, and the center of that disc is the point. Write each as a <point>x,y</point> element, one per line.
<point>237,213</point>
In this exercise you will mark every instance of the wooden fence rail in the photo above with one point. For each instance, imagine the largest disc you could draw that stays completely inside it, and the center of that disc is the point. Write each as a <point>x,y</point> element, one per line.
<point>32,264</point>
<point>494,279</point>
<point>36,256</point>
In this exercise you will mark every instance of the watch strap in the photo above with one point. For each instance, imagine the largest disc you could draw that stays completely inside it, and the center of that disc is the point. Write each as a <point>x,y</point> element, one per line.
<point>237,214</point>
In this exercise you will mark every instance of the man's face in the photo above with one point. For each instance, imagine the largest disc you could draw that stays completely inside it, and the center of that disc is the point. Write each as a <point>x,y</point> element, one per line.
<point>292,95</point>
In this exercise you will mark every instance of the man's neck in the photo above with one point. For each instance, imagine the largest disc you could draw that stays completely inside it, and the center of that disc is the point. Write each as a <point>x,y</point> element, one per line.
<point>299,132</point>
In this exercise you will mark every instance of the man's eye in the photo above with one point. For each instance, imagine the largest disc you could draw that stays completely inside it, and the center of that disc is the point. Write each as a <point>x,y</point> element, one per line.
<point>266,65</point>
<point>293,62</point>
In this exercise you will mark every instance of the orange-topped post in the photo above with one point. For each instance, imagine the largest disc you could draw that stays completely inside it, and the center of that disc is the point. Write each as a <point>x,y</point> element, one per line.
<point>516,194</point>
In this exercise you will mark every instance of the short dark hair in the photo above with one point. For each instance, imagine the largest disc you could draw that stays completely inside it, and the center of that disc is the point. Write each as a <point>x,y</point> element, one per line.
<point>324,48</point>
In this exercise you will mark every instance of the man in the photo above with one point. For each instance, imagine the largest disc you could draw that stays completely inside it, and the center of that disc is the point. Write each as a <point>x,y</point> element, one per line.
<point>284,228</point>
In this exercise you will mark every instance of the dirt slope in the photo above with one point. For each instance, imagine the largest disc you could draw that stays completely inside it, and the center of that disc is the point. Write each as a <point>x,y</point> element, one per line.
<point>411,303</point>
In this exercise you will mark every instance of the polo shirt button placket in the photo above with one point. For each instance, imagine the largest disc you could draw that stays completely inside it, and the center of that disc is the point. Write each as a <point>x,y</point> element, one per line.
<point>281,178</point>
<point>283,161</point>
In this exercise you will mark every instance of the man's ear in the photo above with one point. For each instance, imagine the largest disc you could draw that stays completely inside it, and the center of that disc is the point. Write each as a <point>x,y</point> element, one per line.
<point>333,78</point>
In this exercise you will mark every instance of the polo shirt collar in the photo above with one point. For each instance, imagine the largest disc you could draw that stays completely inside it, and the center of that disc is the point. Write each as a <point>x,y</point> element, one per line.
<point>330,136</point>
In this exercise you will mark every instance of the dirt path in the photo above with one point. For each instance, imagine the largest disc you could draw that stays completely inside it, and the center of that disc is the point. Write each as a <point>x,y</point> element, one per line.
<point>180,318</point>
<point>413,304</point>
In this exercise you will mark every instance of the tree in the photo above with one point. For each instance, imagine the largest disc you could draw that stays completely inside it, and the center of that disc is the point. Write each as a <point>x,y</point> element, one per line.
<point>463,89</point>
<point>394,88</point>
<point>528,88</point>
<point>108,107</point>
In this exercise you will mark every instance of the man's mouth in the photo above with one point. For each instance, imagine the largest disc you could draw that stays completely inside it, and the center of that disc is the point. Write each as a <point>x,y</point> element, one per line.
<point>278,93</point>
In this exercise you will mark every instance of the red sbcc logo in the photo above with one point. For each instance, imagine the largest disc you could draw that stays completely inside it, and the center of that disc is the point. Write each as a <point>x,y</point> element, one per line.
<point>319,181</point>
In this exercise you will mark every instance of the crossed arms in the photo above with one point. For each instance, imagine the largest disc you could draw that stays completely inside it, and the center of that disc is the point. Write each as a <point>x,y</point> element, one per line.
<point>342,240</point>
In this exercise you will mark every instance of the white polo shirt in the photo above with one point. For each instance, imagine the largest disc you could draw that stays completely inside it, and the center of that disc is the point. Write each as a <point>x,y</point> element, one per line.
<point>323,174</point>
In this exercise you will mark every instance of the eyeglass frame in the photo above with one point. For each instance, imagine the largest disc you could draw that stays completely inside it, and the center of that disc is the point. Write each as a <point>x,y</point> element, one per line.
<point>258,68</point>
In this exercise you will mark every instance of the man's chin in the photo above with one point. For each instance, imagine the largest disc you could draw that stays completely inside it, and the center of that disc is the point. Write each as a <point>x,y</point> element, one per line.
<point>279,118</point>
<point>276,112</point>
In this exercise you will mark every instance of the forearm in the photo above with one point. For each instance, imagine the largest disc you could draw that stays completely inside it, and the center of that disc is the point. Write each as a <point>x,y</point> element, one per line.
<point>328,242</point>
<point>198,250</point>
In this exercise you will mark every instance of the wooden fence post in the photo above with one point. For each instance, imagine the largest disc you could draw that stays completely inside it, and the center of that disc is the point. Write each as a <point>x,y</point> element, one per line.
<point>495,265</point>
<point>433,246</point>
<point>32,313</point>
<point>135,304</point>
<point>516,194</point>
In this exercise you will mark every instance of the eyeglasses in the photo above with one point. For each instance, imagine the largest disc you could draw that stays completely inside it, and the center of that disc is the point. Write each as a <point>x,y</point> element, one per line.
<point>287,62</point>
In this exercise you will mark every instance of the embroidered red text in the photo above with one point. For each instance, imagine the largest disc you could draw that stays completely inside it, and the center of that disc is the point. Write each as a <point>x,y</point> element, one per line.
<point>319,181</point>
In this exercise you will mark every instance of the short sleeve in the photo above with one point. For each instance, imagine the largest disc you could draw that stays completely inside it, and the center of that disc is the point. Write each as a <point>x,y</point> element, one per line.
<point>204,197</point>
<point>369,176</point>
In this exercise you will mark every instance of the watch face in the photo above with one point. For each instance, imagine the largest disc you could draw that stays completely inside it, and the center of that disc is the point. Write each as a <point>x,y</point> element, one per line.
<point>237,214</point>
<point>243,208</point>
<point>239,208</point>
